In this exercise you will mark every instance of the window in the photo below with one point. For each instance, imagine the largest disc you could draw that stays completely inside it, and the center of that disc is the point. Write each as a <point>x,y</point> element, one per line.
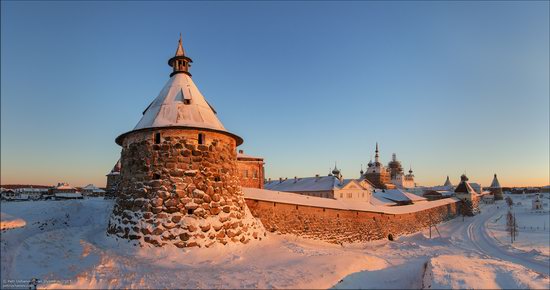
<point>157,138</point>
<point>201,138</point>
<point>189,211</point>
<point>255,174</point>
<point>245,173</point>
<point>186,101</point>
<point>341,195</point>
<point>156,176</point>
<point>363,194</point>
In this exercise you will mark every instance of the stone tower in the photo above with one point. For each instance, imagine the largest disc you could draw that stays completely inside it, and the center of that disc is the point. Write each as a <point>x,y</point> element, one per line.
<point>179,183</point>
<point>468,196</point>
<point>448,183</point>
<point>496,189</point>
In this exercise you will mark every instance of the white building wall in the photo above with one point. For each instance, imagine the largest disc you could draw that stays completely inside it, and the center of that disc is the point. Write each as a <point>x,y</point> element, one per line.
<point>353,195</point>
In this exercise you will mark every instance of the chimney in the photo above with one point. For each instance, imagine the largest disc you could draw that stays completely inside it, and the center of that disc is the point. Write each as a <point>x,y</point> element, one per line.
<point>241,151</point>
<point>269,180</point>
<point>316,177</point>
<point>280,179</point>
<point>295,179</point>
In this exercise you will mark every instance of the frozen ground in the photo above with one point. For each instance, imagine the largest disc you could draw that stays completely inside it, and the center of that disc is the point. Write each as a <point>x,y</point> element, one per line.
<point>534,226</point>
<point>63,243</point>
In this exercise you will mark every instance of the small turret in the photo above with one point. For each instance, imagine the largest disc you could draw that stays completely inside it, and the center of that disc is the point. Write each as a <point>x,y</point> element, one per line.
<point>376,155</point>
<point>335,171</point>
<point>468,195</point>
<point>180,63</point>
<point>496,189</point>
<point>448,183</point>
<point>495,183</point>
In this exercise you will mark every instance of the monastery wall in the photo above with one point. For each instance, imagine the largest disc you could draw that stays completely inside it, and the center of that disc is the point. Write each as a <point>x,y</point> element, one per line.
<point>345,225</point>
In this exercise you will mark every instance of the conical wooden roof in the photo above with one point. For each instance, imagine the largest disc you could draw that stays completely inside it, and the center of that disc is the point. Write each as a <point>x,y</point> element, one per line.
<point>180,103</point>
<point>448,182</point>
<point>495,183</point>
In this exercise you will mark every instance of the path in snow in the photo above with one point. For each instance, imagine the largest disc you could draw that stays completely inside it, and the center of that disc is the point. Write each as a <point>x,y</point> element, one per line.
<point>480,237</point>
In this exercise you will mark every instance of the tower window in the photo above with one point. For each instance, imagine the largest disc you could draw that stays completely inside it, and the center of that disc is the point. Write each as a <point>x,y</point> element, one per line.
<point>201,138</point>
<point>187,101</point>
<point>157,138</point>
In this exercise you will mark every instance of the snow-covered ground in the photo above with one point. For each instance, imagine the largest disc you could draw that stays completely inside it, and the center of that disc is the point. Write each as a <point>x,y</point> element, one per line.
<point>10,222</point>
<point>534,226</point>
<point>64,244</point>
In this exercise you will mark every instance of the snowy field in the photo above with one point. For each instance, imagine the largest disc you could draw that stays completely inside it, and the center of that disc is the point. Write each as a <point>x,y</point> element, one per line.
<point>534,226</point>
<point>63,243</point>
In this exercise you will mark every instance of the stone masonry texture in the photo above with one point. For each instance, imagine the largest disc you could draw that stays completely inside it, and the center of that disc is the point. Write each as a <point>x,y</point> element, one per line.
<point>180,192</point>
<point>339,226</point>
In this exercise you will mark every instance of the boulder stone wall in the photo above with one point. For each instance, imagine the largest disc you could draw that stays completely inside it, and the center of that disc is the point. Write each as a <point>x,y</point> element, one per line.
<point>340,225</point>
<point>176,191</point>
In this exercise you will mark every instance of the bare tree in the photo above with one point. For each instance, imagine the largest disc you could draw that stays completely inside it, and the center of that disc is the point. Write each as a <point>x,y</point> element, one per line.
<point>511,225</point>
<point>509,201</point>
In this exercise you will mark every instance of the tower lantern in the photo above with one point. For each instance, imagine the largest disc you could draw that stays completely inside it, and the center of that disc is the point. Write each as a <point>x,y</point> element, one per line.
<point>180,63</point>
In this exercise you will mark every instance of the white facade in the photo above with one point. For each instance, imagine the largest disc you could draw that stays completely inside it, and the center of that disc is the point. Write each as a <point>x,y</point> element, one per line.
<point>32,193</point>
<point>403,181</point>
<point>355,190</point>
<point>537,203</point>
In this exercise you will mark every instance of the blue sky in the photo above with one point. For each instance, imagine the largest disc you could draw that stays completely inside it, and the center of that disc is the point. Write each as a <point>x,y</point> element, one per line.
<point>450,87</point>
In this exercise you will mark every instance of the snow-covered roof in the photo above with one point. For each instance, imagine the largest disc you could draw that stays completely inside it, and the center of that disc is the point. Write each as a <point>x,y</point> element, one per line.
<point>446,193</point>
<point>116,168</point>
<point>299,199</point>
<point>465,187</point>
<point>63,185</point>
<point>448,182</point>
<point>93,188</point>
<point>68,194</point>
<point>246,156</point>
<point>380,201</point>
<point>170,107</point>
<point>321,183</point>
<point>495,183</point>
<point>398,195</point>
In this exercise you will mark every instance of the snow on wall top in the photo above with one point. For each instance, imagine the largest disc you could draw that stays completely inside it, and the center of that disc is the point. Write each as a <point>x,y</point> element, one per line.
<point>180,103</point>
<point>299,199</point>
<point>246,156</point>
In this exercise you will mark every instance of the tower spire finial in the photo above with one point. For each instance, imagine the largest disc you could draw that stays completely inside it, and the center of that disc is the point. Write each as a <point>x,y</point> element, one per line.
<point>180,51</point>
<point>376,156</point>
